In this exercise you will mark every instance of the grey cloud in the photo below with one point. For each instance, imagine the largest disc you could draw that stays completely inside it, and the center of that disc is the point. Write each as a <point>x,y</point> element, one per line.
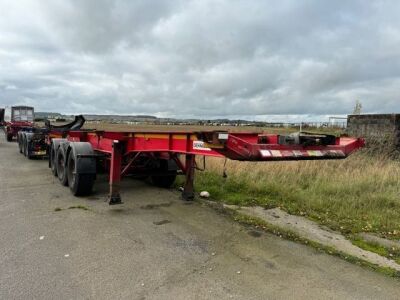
<point>201,58</point>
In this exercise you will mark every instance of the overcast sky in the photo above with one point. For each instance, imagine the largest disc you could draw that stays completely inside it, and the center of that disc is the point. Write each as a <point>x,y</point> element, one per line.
<point>205,59</point>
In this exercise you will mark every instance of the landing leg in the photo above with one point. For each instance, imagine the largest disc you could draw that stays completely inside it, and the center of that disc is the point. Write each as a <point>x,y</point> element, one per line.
<point>115,174</point>
<point>188,190</point>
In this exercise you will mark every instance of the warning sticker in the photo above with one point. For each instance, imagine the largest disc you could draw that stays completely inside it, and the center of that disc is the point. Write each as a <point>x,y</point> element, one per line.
<point>297,153</point>
<point>314,153</point>
<point>199,145</point>
<point>276,153</point>
<point>287,153</point>
<point>336,153</point>
<point>265,153</point>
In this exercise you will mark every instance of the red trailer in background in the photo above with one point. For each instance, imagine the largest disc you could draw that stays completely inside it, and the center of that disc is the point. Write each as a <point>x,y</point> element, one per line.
<point>21,117</point>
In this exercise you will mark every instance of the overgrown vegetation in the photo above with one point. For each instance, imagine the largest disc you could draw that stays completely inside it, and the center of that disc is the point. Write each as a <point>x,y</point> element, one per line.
<point>358,194</point>
<point>391,253</point>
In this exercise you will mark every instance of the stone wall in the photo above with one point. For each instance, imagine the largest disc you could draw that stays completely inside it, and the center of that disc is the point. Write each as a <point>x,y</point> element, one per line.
<point>379,127</point>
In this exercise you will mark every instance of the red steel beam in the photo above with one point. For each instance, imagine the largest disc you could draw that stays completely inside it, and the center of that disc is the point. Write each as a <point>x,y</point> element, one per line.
<point>237,146</point>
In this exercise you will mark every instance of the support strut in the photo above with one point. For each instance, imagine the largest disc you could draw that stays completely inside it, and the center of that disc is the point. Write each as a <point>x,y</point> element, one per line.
<point>188,190</point>
<point>115,173</point>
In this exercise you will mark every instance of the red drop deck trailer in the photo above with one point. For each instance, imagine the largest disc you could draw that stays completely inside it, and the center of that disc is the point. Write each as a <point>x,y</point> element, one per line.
<point>75,156</point>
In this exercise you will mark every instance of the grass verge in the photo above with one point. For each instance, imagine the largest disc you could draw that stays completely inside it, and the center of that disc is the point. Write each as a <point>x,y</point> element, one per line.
<point>390,253</point>
<point>257,223</point>
<point>359,194</point>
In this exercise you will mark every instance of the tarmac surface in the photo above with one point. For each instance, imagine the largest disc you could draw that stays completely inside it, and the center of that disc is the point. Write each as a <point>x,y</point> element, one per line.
<point>154,246</point>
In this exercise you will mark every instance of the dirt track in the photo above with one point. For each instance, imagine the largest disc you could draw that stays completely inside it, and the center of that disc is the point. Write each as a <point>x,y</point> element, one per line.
<point>153,247</point>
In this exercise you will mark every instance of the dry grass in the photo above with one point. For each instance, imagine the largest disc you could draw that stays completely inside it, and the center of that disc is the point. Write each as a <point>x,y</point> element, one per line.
<point>361,193</point>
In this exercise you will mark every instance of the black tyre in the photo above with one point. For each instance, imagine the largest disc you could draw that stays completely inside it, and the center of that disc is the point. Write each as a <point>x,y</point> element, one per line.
<point>165,180</point>
<point>9,137</point>
<point>27,153</point>
<point>79,184</point>
<point>52,159</point>
<point>55,143</point>
<point>23,145</point>
<point>61,166</point>
<point>20,147</point>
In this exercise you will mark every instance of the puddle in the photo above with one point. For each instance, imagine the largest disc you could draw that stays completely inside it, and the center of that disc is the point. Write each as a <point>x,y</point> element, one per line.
<point>254,233</point>
<point>162,222</point>
<point>152,206</point>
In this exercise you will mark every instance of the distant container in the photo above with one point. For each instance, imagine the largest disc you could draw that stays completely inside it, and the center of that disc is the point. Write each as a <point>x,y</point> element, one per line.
<point>22,114</point>
<point>375,127</point>
<point>19,114</point>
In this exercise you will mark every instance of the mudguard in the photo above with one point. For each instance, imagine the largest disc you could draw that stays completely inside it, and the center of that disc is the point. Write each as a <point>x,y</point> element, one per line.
<point>84,155</point>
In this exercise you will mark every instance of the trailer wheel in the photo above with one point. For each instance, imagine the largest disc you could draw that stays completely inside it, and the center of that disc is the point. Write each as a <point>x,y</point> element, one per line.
<point>26,149</point>
<point>27,153</point>
<point>9,137</point>
<point>20,140</point>
<point>79,184</point>
<point>55,143</point>
<point>52,160</point>
<point>61,166</point>
<point>23,144</point>
<point>27,139</point>
<point>164,181</point>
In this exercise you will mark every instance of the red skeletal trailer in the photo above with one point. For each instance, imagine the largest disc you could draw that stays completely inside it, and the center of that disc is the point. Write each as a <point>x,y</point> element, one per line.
<point>163,155</point>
